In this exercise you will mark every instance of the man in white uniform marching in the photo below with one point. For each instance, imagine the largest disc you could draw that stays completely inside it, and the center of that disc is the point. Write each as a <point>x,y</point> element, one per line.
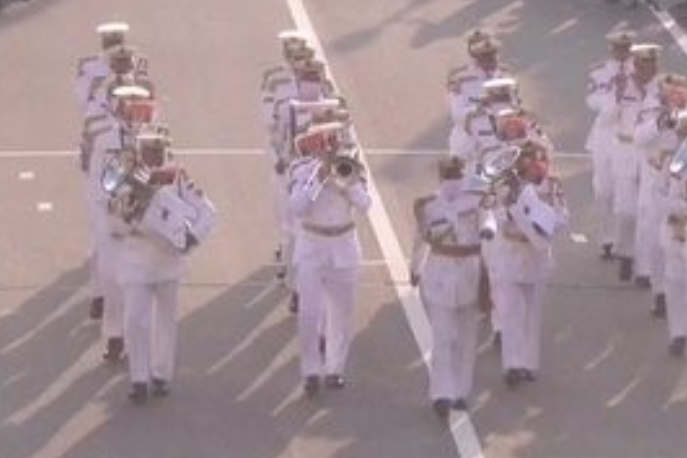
<point>448,267</point>
<point>326,192</point>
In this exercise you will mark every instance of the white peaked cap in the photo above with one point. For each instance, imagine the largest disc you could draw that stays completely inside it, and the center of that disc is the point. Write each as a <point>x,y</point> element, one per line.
<point>131,91</point>
<point>112,27</point>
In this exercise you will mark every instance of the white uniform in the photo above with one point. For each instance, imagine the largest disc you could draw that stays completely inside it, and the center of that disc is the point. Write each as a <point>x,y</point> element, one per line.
<point>326,255</point>
<point>600,142</point>
<point>527,263</point>
<point>447,258</point>
<point>622,118</point>
<point>92,71</point>
<point>672,240</point>
<point>465,88</point>
<point>654,144</point>
<point>106,135</point>
<point>150,272</point>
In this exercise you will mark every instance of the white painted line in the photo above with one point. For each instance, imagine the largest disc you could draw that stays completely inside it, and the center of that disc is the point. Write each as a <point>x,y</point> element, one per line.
<point>44,207</point>
<point>462,429</point>
<point>26,175</point>
<point>578,237</point>
<point>672,27</point>
<point>203,152</point>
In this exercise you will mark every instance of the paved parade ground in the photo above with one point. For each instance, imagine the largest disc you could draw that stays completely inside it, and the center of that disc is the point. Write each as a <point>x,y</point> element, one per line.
<point>608,387</point>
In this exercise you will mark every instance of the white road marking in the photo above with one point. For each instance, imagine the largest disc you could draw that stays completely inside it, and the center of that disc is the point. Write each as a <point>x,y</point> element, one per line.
<point>203,152</point>
<point>672,27</point>
<point>462,429</point>
<point>43,207</point>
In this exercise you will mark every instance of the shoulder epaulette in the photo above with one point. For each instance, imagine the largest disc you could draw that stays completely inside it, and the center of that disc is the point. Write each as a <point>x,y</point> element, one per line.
<point>82,62</point>
<point>273,83</point>
<point>454,71</point>
<point>269,73</point>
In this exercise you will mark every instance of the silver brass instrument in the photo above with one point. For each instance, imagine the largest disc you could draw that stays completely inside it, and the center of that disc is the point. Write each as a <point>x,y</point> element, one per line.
<point>497,168</point>
<point>341,160</point>
<point>129,185</point>
<point>678,163</point>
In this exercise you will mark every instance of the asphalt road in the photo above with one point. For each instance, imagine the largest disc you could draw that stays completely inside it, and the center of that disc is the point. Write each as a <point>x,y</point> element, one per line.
<point>608,387</point>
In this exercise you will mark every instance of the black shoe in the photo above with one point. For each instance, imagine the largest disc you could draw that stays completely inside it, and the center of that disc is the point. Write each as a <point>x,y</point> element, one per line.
<point>442,407</point>
<point>677,346</point>
<point>528,375</point>
<point>512,377</point>
<point>114,350</point>
<point>160,387</point>
<point>322,345</point>
<point>293,304</point>
<point>139,393</point>
<point>496,339</point>
<point>658,310</point>
<point>460,404</point>
<point>311,385</point>
<point>653,4</point>
<point>607,252</point>
<point>334,381</point>
<point>95,311</point>
<point>643,282</point>
<point>626,269</point>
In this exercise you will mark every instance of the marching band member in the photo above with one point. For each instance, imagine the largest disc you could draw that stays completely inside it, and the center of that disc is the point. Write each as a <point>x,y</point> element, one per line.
<point>464,83</point>
<point>656,134</point>
<point>673,232</point>
<point>497,121</point>
<point>620,110</point>
<point>161,215</point>
<point>535,212</point>
<point>108,137</point>
<point>601,138</point>
<point>91,71</point>
<point>447,265</point>
<point>326,192</point>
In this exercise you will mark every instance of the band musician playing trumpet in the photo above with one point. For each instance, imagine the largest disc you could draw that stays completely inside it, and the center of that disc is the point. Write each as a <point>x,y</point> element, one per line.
<point>326,191</point>
<point>448,267</point>
<point>601,80</point>
<point>659,133</point>
<point>663,135</point>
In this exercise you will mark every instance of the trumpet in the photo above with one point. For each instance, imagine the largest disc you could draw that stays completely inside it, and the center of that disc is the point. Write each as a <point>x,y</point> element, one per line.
<point>343,170</point>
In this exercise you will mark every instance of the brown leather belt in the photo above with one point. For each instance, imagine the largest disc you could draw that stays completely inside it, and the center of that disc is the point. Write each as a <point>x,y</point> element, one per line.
<point>677,224</point>
<point>328,231</point>
<point>515,235</point>
<point>456,251</point>
<point>625,138</point>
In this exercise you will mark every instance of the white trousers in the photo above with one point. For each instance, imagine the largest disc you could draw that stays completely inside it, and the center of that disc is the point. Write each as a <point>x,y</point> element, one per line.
<point>325,293</point>
<point>646,242</point>
<point>110,288</point>
<point>454,350</point>
<point>675,281</point>
<point>625,196</point>
<point>286,226</point>
<point>150,313</point>
<point>521,327</point>
<point>603,185</point>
